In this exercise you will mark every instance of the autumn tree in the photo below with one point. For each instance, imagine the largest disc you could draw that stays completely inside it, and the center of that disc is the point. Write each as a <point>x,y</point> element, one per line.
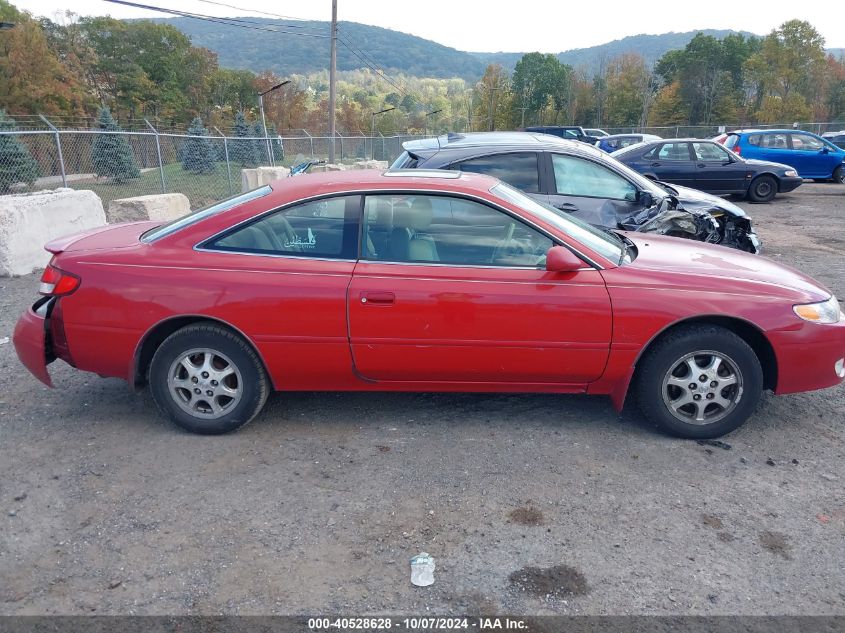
<point>489,96</point>
<point>32,79</point>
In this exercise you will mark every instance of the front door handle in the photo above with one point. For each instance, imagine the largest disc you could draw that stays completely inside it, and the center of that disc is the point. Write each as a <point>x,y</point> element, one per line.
<point>566,206</point>
<point>378,298</point>
<point>655,164</point>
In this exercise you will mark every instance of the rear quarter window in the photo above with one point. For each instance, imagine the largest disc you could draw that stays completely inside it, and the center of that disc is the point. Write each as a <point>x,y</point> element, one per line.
<point>517,169</point>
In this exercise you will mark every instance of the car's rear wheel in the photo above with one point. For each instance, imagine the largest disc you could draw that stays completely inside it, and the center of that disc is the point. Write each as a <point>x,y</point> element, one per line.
<point>700,381</point>
<point>762,189</point>
<point>207,380</point>
<point>839,175</point>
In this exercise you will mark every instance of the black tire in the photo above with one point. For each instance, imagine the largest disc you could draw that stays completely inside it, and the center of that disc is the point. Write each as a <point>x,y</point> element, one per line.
<point>669,353</point>
<point>839,175</point>
<point>762,189</point>
<point>223,350</point>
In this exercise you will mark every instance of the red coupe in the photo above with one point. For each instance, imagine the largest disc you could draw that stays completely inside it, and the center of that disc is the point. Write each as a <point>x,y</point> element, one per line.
<point>426,281</point>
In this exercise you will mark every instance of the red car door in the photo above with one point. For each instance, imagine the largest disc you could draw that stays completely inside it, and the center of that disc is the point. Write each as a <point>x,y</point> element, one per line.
<point>452,290</point>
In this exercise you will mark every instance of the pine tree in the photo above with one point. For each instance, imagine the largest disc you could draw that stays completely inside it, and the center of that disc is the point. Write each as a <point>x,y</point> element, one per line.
<point>198,154</point>
<point>110,152</point>
<point>242,150</point>
<point>16,163</point>
<point>259,145</point>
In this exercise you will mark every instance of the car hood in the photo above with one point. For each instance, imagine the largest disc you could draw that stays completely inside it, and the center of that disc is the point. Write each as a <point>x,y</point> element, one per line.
<point>687,263</point>
<point>695,199</point>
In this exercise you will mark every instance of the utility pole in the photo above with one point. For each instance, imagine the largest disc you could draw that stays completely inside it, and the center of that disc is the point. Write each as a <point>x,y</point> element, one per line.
<point>332,80</point>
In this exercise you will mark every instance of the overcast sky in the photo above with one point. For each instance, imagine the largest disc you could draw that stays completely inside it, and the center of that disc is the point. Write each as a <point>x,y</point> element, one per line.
<point>526,25</point>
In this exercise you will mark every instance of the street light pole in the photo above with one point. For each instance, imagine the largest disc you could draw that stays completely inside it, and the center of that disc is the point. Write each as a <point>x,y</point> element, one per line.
<point>373,141</point>
<point>428,114</point>
<point>264,120</point>
<point>332,80</point>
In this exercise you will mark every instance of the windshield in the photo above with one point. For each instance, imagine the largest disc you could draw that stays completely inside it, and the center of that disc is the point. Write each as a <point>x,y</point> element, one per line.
<point>201,214</point>
<point>606,243</point>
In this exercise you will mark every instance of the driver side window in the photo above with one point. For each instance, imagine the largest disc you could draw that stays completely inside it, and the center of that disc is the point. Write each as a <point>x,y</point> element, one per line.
<point>318,228</point>
<point>446,230</point>
<point>580,177</point>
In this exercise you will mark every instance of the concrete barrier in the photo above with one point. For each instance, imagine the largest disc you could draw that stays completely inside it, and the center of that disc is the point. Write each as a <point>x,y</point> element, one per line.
<point>316,169</point>
<point>260,176</point>
<point>371,164</point>
<point>160,207</point>
<point>28,221</point>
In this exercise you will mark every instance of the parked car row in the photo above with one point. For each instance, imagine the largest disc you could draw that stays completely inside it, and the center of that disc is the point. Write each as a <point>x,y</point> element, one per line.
<point>586,183</point>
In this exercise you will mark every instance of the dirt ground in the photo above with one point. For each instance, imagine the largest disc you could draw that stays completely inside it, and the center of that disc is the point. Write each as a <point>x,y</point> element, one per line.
<point>530,504</point>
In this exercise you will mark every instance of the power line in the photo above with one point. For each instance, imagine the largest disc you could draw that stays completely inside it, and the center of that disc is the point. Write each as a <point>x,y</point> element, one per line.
<point>245,24</point>
<point>373,68</point>
<point>274,15</point>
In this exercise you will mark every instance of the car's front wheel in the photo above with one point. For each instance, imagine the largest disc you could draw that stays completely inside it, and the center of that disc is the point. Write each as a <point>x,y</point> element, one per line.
<point>699,381</point>
<point>207,380</point>
<point>762,189</point>
<point>839,175</point>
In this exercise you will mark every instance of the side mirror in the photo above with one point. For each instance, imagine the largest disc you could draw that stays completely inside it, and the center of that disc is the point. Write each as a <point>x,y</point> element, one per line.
<point>645,199</point>
<point>825,150</point>
<point>560,259</point>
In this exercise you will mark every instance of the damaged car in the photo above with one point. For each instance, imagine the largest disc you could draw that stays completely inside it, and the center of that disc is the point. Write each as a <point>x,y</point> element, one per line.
<point>587,183</point>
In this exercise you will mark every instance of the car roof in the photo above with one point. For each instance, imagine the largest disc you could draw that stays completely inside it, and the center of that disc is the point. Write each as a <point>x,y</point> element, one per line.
<point>760,131</point>
<point>527,141</point>
<point>353,180</point>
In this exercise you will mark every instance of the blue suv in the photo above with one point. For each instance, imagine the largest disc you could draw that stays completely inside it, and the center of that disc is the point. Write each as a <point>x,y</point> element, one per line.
<point>811,155</point>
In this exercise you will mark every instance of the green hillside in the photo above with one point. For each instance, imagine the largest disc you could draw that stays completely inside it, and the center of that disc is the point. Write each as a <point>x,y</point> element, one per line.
<point>393,51</point>
<point>286,53</point>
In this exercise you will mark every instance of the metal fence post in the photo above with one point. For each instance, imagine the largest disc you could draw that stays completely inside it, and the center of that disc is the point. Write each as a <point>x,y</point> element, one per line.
<point>383,153</point>
<point>226,156</point>
<point>158,153</point>
<point>341,145</point>
<point>58,147</point>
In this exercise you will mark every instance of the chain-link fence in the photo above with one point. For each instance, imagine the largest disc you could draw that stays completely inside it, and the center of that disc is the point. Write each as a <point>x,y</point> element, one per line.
<point>710,131</point>
<point>126,164</point>
<point>205,168</point>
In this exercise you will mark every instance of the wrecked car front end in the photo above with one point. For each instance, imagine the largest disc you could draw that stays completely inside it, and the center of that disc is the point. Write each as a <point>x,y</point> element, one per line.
<point>698,216</point>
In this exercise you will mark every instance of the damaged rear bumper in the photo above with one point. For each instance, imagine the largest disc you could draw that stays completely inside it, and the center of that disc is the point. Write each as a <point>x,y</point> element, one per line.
<point>32,339</point>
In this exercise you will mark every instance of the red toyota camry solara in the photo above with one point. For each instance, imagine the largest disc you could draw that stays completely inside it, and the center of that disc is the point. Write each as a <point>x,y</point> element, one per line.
<point>426,281</point>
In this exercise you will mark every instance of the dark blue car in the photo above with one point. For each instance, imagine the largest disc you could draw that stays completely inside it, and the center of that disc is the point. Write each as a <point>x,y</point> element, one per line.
<point>811,155</point>
<point>708,166</point>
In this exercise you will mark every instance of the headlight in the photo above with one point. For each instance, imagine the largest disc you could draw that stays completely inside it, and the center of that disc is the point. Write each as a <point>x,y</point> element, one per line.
<point>790,173</point>
<point>822,312</point>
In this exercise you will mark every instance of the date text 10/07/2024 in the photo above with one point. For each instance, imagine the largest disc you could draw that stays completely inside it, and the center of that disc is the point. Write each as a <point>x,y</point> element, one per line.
<point>418,624</point>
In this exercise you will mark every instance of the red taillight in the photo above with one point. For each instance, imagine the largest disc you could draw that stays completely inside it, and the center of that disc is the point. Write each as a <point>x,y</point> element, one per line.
<point>56,282</point>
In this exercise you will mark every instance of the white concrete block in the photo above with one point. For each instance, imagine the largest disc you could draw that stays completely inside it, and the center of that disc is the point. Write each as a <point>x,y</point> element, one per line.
<point>328,167</point>
<point>160,207</point>
<point>29,221</point>
<point>381,165</point>
<point>260,176</point>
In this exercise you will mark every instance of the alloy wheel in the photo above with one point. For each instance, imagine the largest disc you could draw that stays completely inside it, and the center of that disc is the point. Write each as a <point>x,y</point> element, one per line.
<point>205,383</point>
<point>702,387</point>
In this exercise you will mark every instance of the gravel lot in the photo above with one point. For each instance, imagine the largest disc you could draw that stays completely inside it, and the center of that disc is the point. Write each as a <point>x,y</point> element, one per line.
<point>529,504</point>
